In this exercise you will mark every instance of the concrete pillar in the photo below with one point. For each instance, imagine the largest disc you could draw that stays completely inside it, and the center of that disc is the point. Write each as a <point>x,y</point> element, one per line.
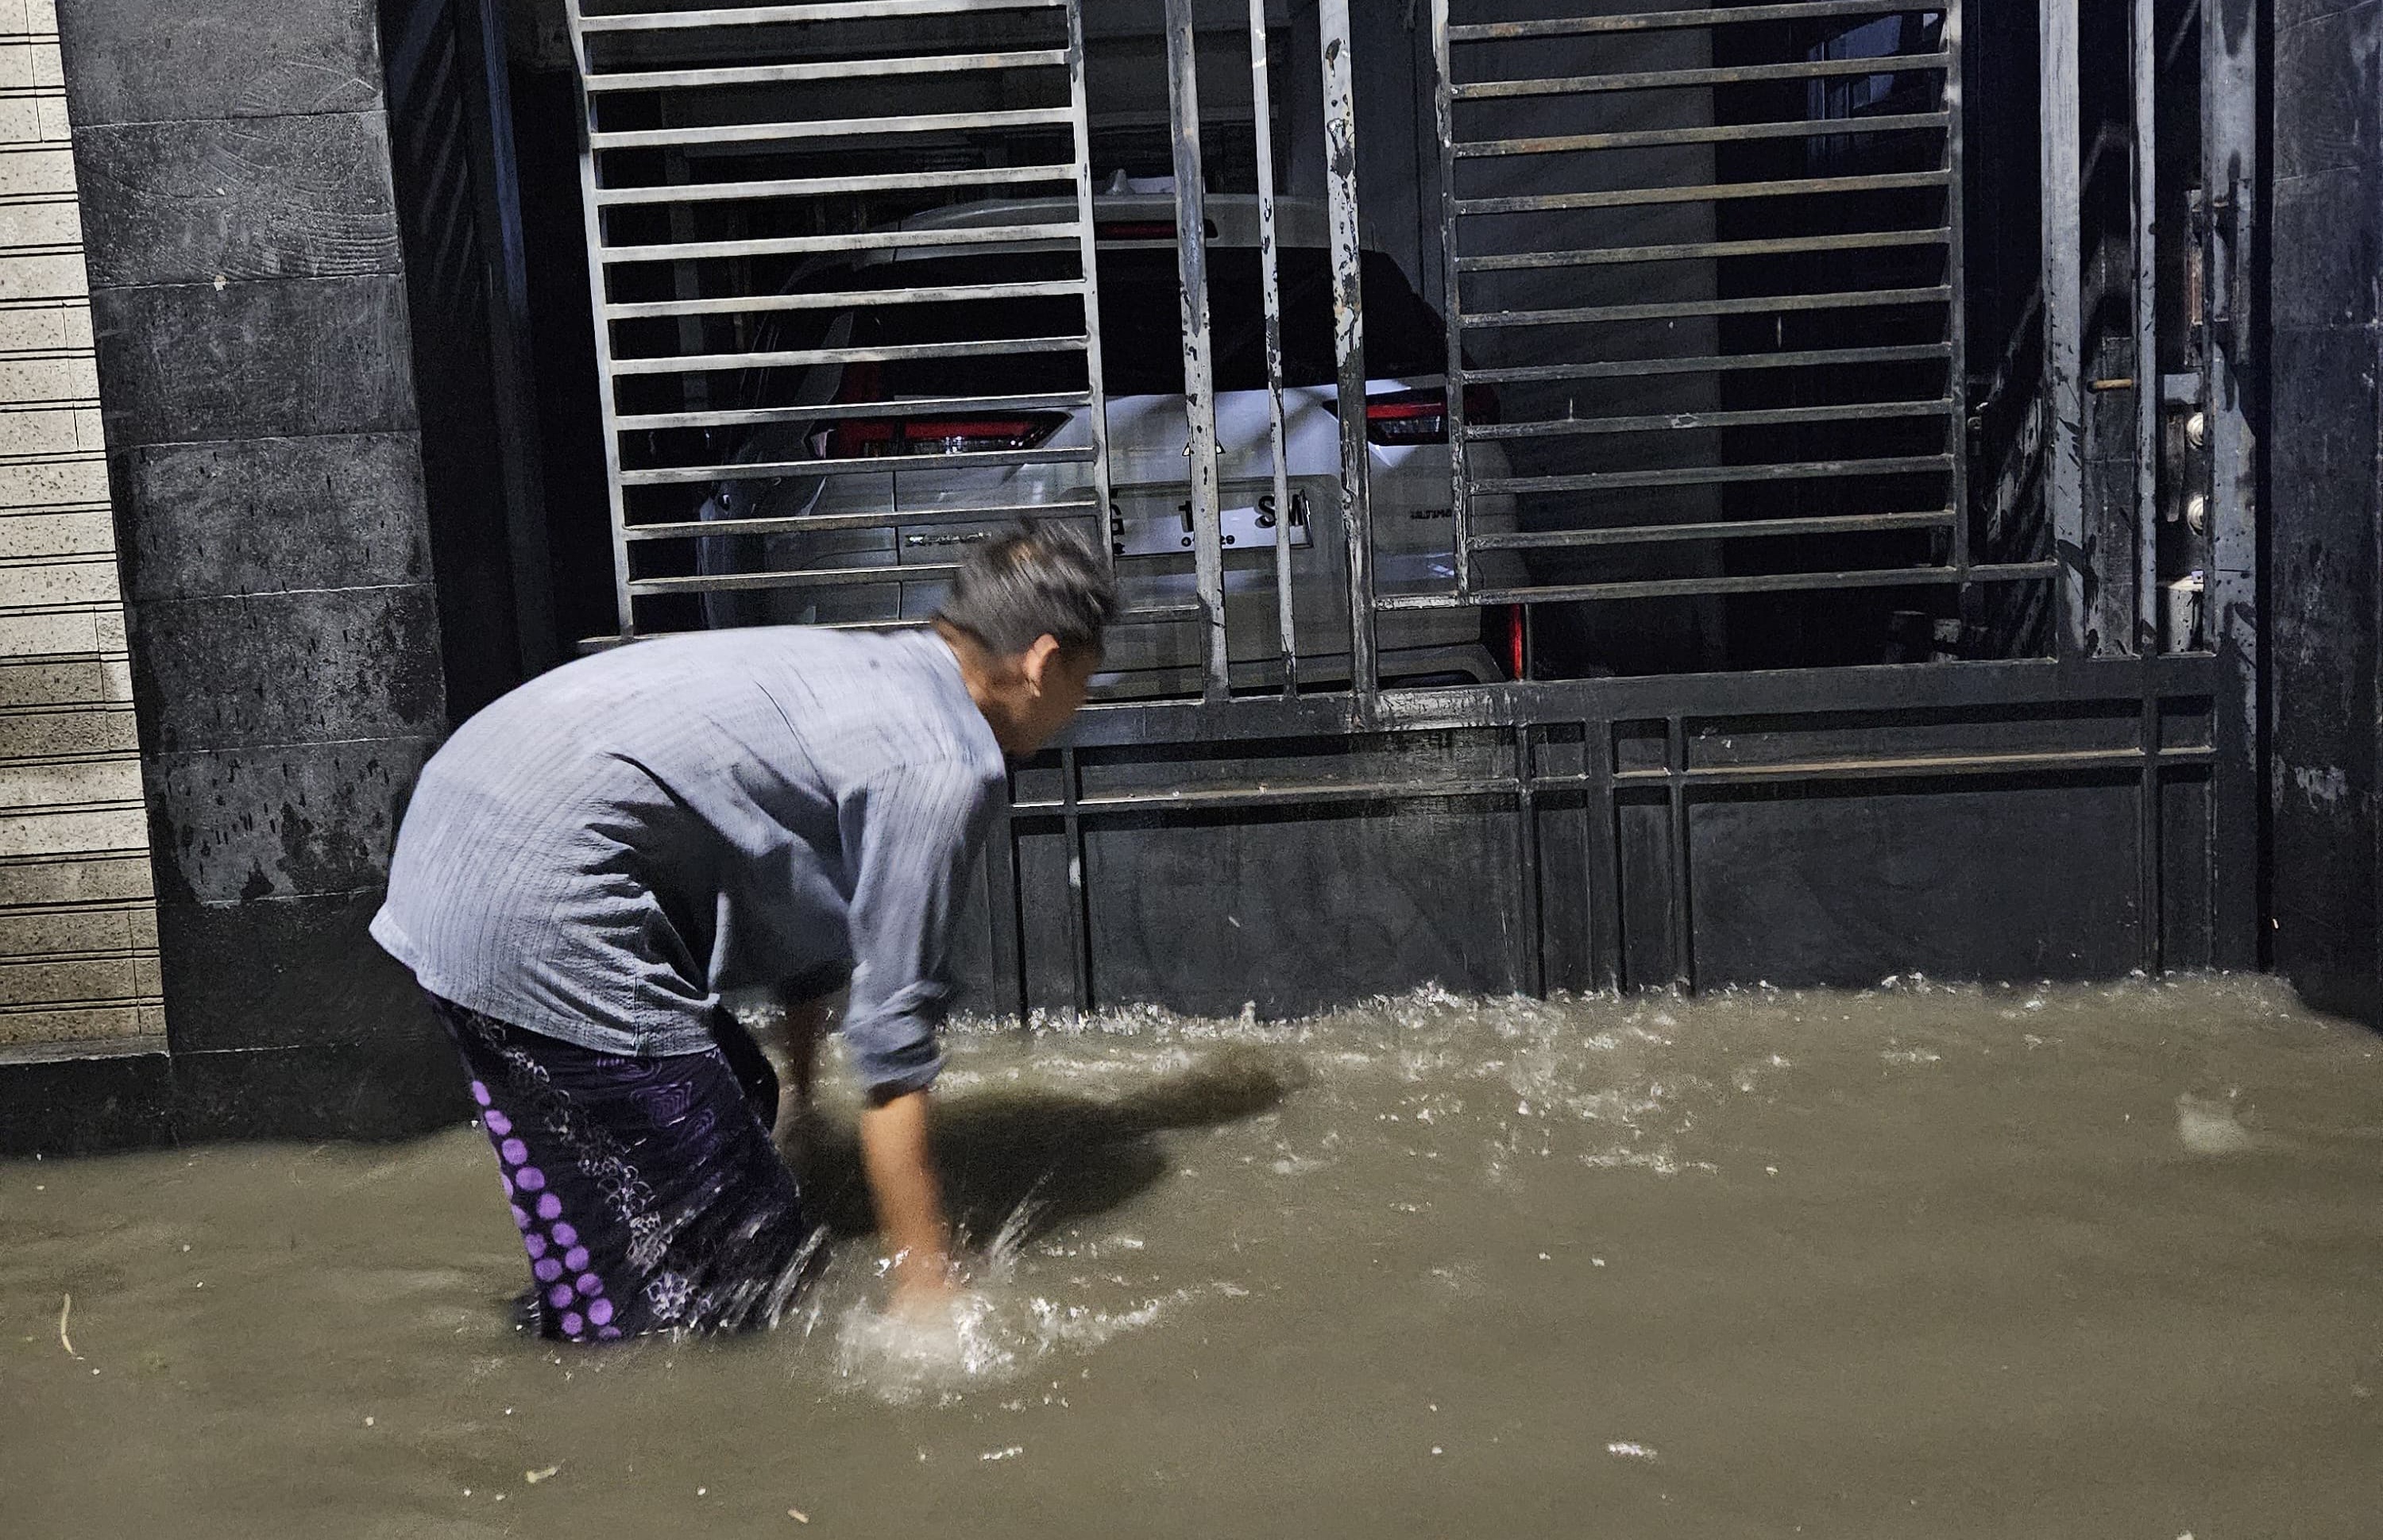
<point>2326,480</point>
<point>249,307</point>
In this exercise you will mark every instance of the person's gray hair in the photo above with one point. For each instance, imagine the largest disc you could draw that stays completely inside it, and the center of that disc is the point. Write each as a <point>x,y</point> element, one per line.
<point>1042,580</point>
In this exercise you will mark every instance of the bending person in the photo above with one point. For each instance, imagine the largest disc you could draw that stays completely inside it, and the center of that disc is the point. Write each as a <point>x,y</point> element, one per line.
<point>591,860</point>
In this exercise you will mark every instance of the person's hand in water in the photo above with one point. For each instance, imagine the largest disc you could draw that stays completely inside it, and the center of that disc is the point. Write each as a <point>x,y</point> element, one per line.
<point>895,1157</point>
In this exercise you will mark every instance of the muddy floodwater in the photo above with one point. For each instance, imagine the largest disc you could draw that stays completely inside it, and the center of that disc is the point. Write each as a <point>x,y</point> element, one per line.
<point>1917,1261</point>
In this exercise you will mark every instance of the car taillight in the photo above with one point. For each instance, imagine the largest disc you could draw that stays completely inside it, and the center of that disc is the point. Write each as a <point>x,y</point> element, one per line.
<point>1503,625</point>
<point>1421,416</point>
<point>867,437</point>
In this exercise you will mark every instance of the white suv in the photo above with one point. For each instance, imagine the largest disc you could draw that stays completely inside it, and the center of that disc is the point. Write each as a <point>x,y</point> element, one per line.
<point>1150,523</point>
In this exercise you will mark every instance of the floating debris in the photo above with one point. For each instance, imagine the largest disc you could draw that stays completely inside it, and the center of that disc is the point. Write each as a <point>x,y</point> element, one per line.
<point>798,1516</point>
<point>65,1308</point>
<point>534,1477</point>
<point>1630,1451</point>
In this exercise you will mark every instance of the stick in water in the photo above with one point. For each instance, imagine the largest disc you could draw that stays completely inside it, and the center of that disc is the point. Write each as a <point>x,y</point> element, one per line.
<point>64,1308</point>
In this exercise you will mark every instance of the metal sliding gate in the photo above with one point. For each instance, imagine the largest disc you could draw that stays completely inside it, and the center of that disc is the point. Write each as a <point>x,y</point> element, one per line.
<point>1756,340</point>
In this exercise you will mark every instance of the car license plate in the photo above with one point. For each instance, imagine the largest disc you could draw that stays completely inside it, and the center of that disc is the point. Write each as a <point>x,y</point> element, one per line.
<point>1158,527</point>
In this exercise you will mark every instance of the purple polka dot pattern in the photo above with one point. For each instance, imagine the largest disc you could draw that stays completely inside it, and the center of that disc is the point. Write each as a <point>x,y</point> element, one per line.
<point>479,1092</point>
<point>588,1284</point>
<point>572,1324</point>
<point>576,1259</point>
<point>521,1216</point>
<point>550,1207</point>
<point>514,1152</point>
<point>498,1122</point>
<point>530,1178</point>
<point>564,1235</point>
<point>547,1270</point>
<point>600,1311</point>
<point>608,1334</point>
<point>536,1244</point>
<point>508,1181</point>
<point>559,1296</point>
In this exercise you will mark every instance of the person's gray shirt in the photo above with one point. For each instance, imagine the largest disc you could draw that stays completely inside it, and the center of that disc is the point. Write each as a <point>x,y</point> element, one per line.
<point>598,854</point>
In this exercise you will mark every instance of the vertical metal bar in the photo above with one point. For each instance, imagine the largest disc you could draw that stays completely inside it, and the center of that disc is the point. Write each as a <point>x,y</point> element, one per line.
<point>1348,337</point>
<point>2064,304</point>
<point>2144,70</point>
<point>1675,759</point>
<point>1079,121</point>
<point>1534,938</point>
<point>1604,874</point>
<point>1008,910</point>
<point>1079,901</point>
<point>1199,364</point>
<point>607,403</point>
<point>1270,287</point>
<point>2150,896</point>
<point>1459,490</point>
<point>1956,366</point>
<point>2231,172</point>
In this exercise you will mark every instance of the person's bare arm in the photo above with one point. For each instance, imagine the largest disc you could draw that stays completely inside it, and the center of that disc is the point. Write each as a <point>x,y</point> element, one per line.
<point>896,1157</point>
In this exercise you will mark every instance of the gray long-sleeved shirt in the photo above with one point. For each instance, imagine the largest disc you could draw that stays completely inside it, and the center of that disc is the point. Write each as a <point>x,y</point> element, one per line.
<point>598,854</point>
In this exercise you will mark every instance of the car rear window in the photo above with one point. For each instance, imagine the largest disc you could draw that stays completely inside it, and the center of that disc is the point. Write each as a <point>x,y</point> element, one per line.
<point>1142,329</point>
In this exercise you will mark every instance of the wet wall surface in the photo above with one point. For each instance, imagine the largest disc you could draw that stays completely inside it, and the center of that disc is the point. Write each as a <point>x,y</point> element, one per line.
<point>2325,496</point>
<point>250,311</point>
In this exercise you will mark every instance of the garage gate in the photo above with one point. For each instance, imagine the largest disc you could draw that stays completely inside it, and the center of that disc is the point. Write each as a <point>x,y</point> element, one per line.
<point>1607,495</point>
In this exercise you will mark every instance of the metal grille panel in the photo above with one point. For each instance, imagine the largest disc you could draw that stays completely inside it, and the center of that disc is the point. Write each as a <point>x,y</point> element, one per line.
<point>778,273</point>
<point>1710,343</point>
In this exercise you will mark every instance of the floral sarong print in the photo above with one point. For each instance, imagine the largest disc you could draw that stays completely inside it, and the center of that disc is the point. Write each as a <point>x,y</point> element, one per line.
<point>649,1194</point>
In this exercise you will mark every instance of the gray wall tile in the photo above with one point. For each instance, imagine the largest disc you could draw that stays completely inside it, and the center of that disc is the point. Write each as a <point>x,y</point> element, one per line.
<point>270,514</point>
<point>241,199</point>
<point>141,61</point>
<point>253,360</point>
<point>318,667</point>
<point>280,822</point>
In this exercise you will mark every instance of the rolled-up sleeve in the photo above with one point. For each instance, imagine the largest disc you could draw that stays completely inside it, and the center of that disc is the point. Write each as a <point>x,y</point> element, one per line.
<point>916,829</point>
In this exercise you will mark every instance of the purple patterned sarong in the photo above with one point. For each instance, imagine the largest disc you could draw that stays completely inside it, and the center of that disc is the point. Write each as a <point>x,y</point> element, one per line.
<point>648,1193</point>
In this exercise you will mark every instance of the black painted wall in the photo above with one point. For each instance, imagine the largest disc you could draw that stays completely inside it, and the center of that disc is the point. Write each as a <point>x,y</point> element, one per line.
<point>249,302</point>
<point>2325,496</point>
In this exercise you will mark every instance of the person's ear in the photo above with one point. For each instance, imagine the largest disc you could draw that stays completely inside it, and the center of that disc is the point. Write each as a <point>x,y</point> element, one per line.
<point>1039,657</point>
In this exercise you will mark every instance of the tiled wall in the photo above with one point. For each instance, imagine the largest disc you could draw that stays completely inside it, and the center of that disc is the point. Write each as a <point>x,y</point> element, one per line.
<point>78,928</point>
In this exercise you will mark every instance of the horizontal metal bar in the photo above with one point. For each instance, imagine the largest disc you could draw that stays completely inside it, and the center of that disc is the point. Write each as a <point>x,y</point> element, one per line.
<point>1653,21</point>
<point>1325,793</point>
<point>828,577</point>
<point>845,299</point>
<point>2021,762</point>
<point>1662,422</point>
<point>763,16</point>
<point>1665,79</point>
<point>1632,197</point>
<point>1725,133</point>
<point>825,70</point>
<point>1774,246</point>
<point>818,187</point>
<point>1630,368</point>
<point>1272,796</point>
<point>1714,529</point>
<point>830,128</point>
<point>862,241</point>
<point>888,518</point>
<point>1714,475</point>
<point>916,406</point>
<point>700,364</point>
<point>1754,304</point>
<point>1691,587</point>
<point>865,465</point>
